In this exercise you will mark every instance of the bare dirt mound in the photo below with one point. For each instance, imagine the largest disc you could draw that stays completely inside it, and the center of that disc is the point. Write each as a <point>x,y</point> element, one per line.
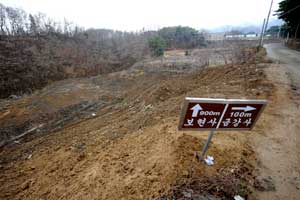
<point>130,148</point>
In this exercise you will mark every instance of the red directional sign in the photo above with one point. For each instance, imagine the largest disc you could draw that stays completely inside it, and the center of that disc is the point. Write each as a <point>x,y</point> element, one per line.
<point>224,114</point>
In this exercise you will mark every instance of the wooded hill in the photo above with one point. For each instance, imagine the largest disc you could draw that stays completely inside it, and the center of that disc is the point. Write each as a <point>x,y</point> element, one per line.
<point>36,50</point>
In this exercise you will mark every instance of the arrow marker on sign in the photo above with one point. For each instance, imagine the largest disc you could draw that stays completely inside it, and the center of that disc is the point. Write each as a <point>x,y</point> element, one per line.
<point>246,109</point>
<point>196,110</point>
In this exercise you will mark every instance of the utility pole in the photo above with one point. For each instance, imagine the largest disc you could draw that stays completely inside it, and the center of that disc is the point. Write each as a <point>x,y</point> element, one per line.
<point>279,31</point>
<point>262,34</point>
<point>296,33</point>
<point>268,16</point>
<point>287,37</point>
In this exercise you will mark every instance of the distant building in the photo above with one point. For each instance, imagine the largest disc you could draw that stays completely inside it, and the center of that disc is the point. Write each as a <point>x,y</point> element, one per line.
<point>215,36</point>
<point>251,35</point>
<point>229,36</point>
<point>242,36</point>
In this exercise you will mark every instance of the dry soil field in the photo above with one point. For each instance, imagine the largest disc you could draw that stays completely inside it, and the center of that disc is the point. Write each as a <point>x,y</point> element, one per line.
<point>115,137</point>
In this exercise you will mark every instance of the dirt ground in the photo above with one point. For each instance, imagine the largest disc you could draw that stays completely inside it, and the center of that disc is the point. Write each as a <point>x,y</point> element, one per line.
<point>278,150</point>
<point>115,137</point>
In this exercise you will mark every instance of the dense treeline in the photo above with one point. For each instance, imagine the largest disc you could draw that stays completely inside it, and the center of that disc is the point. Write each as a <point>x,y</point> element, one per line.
<point>182,37</point>
<point>175,37</point>
<point>289,12</point>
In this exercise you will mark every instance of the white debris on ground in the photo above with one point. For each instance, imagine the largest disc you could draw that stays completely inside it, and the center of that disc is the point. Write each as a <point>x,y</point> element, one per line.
<point>29,157</point>
<point>209,160</point>
<point>238,197</point>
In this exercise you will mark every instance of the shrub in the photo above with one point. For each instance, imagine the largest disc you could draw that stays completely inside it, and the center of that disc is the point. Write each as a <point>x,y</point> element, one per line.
<point>157,45</point>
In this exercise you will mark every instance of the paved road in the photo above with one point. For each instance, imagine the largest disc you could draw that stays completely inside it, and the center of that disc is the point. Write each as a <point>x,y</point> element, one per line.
<point>280,52</point>
<point>288,58</point>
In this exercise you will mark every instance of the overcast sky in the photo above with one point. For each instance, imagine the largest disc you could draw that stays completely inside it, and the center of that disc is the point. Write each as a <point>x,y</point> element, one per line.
<point>132,15</point>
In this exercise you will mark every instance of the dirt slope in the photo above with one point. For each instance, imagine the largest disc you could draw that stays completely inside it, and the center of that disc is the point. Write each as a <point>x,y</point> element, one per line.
<point>130,147</point>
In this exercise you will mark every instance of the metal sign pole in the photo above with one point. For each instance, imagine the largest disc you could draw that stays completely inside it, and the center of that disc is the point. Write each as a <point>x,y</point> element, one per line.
<point>204,149</point>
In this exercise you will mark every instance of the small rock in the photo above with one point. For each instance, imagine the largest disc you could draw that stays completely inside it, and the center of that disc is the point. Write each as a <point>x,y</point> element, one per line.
<point>26,185</point>
<point>148,107</point>
<point>81,157</point>
<point>13,97</point>
<point>187,194</point>
<point>185,173</point>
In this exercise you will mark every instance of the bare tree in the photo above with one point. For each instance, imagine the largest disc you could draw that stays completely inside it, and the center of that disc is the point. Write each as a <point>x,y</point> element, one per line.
<point>67,27</point>
<point>21,21</point>
<point>16,19</point>
<point>50,26</point>
<point>40,20</point>
<point>2,19</point>
<point>33,28</point>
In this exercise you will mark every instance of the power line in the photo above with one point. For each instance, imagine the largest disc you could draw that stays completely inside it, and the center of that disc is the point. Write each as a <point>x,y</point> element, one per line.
<point>289,11</point>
